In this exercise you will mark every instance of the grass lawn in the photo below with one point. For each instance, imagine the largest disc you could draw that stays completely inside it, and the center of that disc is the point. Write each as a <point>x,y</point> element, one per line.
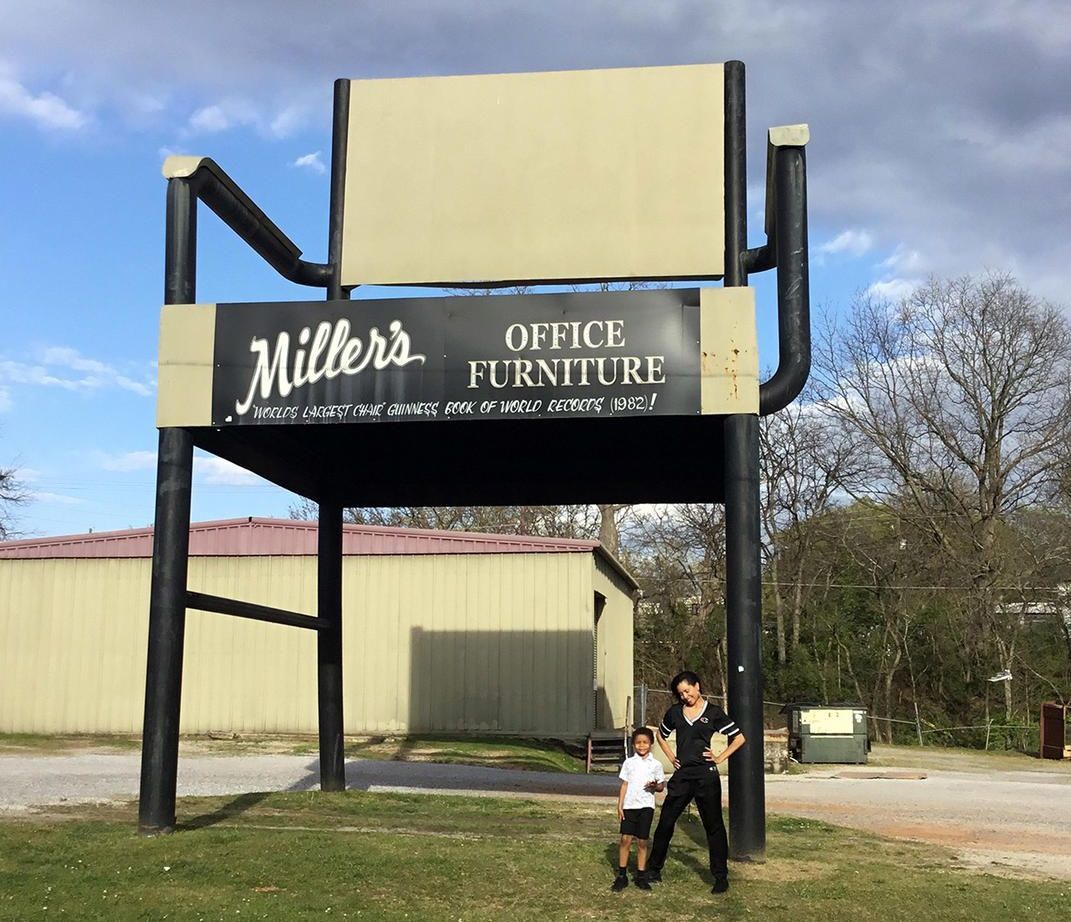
<point>393,857</point>
<point>46,744</point>
<point>533,755</point>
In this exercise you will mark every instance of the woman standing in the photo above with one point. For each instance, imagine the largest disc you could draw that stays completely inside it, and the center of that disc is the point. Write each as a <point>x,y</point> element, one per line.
<point>695,721</point>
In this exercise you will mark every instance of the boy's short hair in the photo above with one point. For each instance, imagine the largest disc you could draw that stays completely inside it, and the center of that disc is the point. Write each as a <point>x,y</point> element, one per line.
<point>643,731</point>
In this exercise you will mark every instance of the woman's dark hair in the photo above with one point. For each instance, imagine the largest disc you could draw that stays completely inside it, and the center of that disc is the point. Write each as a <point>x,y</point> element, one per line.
<point>643,731</point>
<point>687,676</point>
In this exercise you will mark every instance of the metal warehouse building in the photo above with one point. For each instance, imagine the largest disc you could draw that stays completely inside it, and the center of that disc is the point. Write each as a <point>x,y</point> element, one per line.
<point>442,631</point>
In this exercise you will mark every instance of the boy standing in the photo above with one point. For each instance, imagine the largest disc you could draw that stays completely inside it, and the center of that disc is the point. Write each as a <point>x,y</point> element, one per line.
<point>641,775</point>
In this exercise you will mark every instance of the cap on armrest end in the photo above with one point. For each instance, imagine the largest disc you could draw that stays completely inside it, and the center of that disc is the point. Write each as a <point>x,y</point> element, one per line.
<point>180,167</point>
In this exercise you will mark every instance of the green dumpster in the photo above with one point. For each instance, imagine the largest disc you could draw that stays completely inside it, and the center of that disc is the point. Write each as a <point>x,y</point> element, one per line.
<point>821,733</point>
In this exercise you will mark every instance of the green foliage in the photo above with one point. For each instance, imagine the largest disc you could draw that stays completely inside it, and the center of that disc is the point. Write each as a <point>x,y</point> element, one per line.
<point>799,679</point>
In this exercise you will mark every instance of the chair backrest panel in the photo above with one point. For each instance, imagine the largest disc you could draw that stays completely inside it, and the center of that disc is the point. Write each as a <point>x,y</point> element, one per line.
<point>567,175</point>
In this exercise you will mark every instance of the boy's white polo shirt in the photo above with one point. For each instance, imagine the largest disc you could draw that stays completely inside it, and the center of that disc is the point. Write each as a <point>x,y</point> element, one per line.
<point>636,772</point>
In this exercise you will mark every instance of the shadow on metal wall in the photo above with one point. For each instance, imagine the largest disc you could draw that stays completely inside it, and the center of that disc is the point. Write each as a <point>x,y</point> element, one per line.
<point>533,683</point>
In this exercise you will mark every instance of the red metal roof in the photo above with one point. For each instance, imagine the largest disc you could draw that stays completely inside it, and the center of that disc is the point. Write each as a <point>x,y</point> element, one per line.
<point>255,537</point>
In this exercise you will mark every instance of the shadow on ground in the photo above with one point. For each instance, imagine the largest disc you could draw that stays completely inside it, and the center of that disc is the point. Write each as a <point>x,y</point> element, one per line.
<point>365,775</point>
<point>227,811</point>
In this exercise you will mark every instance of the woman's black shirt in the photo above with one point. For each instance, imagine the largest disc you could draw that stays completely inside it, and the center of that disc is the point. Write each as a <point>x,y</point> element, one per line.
<point>694,737</point>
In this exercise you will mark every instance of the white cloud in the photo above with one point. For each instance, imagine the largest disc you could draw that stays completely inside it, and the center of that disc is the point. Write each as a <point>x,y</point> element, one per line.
<point>902,259</point>
<point>164,152</point>
<point>287,121</point>
<point>227,114</point>
<point>894,289</point>
<point>127,461</point>
<point>67,368</point>
<point>6,402</point>
<point>71,358</point>
<point>46,110</point>
<point>311,162</point>
<point>853,242</point>
<point>143,105</point>
<point>209,469</point>
<point>21,373</point>
<point>57,498</point>
<point>209,120</point>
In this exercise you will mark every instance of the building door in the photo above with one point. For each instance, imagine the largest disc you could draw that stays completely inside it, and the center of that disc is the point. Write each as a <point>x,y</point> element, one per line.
<point>598,667</point>
<point>1053,740</point>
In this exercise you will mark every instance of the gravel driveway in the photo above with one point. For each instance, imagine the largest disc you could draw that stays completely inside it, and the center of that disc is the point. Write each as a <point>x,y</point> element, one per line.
<point>29,780</point>
<point>1017,821</point>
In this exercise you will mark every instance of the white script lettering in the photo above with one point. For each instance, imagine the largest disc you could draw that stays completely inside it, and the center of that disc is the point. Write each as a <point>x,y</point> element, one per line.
<point>334,352</point>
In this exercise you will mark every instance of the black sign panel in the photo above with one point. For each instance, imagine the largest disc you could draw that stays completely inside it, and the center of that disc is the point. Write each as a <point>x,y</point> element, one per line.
<point>592,354</point>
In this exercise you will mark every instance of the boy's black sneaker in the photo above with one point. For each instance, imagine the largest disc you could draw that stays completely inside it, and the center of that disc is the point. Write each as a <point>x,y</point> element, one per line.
<point>642,882</point>
<point>721,884</point>
<point>619,884</point>
<point>654,877</point>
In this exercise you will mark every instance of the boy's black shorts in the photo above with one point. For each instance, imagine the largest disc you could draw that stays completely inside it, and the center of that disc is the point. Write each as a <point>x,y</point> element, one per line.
<point>637,822</point>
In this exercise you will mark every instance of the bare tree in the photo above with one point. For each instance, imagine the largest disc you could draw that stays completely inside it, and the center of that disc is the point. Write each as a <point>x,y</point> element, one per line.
<point>804,457</point>
<point>12,495</point>
<point>680,564</point>
<point>959,398</point>
<point>546,521</point>
<point>610,525</point>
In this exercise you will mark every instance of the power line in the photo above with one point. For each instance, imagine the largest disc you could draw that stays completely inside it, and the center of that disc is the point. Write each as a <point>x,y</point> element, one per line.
<point>824,585</point>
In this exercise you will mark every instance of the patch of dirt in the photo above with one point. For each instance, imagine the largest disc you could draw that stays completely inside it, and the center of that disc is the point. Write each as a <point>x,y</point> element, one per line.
<point>1008,850</point>
<point>1020,865</point>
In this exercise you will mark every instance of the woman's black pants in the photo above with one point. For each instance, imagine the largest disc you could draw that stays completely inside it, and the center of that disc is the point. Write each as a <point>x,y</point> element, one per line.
<point>706,791</point>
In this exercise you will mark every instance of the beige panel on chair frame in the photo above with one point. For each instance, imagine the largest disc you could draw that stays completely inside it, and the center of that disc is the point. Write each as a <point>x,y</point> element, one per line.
<point>729,357</point>
<point>569,175</point>
<point>187,343</point>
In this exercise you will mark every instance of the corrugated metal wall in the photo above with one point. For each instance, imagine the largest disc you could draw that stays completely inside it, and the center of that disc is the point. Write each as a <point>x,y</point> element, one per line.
<point>69,647</point>
<point>466,642</point>
<point>614,646</point>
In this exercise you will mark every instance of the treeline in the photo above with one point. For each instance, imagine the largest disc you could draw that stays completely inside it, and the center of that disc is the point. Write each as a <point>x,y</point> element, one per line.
<point>916,521</point>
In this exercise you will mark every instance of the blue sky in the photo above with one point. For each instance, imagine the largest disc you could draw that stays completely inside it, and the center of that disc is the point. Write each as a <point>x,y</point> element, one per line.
<point>940,144</point>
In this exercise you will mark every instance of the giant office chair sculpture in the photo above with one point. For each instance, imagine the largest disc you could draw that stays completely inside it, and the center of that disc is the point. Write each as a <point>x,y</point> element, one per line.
<point>568,177</point>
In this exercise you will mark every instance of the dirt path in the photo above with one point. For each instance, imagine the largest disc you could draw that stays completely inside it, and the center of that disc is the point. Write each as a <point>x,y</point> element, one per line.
<point>999,821</point>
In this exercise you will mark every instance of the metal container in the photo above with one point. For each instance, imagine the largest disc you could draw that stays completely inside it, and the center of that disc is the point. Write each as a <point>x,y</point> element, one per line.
<point>820,733</point>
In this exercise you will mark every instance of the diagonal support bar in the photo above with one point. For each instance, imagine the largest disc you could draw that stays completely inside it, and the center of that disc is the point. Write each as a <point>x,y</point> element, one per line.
<point>204,602</point>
